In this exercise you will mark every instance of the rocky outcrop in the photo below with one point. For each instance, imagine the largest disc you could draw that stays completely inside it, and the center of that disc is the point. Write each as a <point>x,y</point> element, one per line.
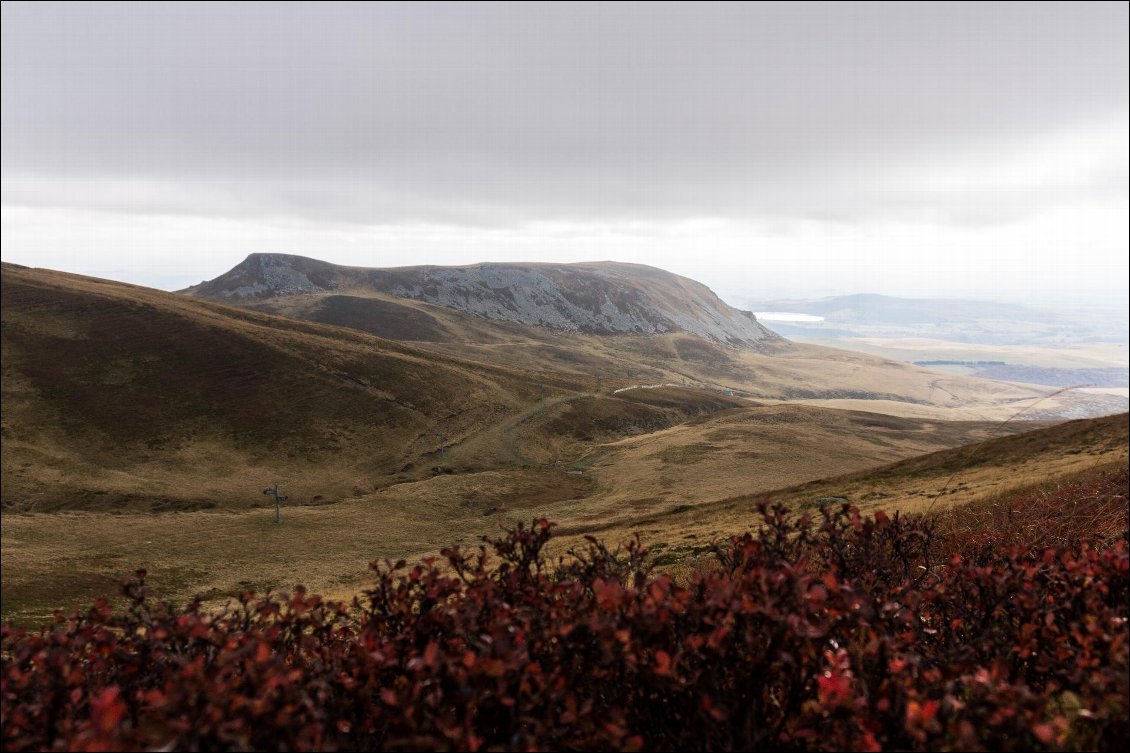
<point>267,275</point>
<point>591,298</point>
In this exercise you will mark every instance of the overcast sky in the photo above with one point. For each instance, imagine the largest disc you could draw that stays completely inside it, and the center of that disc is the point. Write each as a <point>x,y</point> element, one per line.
<point>767,150</point>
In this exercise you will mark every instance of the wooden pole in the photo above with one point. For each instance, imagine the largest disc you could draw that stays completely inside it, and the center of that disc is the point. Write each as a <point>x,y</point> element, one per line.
<point>279,499</point>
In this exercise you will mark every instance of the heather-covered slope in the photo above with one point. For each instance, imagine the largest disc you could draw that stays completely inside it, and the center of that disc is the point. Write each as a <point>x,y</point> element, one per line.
<point>115,392</point>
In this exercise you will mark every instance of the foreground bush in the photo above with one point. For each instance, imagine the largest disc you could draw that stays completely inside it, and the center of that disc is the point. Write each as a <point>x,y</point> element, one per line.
<point>844,633</point>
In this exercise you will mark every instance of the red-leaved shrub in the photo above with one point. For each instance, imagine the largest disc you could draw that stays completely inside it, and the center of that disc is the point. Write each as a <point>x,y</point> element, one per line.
<point>845,633</point>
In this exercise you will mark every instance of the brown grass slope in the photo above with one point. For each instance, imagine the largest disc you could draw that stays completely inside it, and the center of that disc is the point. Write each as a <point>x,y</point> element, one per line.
<point>112,390</point>
<point>679,488</point>
<point>944,482</point>
<point>122,396</point>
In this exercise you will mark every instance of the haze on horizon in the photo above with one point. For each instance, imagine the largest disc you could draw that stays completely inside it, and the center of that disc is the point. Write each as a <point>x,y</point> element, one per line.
<point>768,150</point>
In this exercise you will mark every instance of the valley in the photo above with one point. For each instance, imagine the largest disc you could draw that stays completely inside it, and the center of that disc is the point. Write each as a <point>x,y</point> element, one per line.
<point>140,428</point>
<point>679,488</point>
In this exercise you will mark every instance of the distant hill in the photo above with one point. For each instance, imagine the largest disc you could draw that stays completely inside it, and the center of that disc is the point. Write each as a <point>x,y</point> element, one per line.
<point>601,298</point>
<point>957,320</point>
<point>611,321</point>
<point>869,308</point>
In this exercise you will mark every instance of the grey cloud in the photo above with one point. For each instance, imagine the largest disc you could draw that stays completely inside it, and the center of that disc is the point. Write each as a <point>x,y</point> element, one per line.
<point>498,113</point>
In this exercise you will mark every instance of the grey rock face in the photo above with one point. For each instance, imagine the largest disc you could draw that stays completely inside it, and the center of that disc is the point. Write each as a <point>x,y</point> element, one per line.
<point>599,298</point>
<point>523,296</point>
<point>588,300</point>
<point>267,275</point>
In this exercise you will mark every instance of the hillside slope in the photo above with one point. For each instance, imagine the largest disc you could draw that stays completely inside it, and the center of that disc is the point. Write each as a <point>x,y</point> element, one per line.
<point>942,481</point>
<point>113,392</point>
<point>121,397</point>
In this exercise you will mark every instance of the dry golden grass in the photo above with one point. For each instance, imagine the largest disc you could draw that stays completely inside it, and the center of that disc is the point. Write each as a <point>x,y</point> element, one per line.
<point>953,477</point>
<point>940,482</point>
<point>139,428</point>
<point>117,397</point>
<point>757,448</point>
<point>123,397</point>
<point>667,487</point>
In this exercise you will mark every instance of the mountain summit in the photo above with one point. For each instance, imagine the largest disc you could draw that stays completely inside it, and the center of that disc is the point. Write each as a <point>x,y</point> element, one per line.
<point>602,298</point>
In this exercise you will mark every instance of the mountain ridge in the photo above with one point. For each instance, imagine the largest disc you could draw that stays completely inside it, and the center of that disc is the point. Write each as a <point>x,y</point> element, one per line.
<point>602,298</point>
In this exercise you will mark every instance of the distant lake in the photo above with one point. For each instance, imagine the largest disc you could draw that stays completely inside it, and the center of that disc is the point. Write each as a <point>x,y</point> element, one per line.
<point>786,316</point>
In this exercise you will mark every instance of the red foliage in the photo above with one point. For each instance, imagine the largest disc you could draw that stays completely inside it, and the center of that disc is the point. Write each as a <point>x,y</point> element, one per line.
<point>843,634</point>
<point>1049,515</point>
